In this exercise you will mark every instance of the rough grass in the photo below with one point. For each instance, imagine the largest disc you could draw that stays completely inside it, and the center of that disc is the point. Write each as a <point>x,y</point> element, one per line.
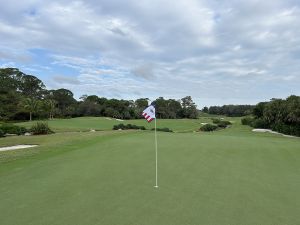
<point>226,177</point>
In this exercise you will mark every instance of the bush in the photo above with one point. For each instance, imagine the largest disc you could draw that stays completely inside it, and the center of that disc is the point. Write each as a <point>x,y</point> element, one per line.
<point>247,120</point>
<point>208,127</point>
<point>2,134</point>
<point>281,128</point>
<point>223,124</point>
<point>40,128</point>
<point>216,120</point>
<point>12,129</point>
<point>295,130</point>
<point>260,123</point>
<point>165,129</point>
<point>121,126</point>
<point>286,129</point>
<point>20,116</point>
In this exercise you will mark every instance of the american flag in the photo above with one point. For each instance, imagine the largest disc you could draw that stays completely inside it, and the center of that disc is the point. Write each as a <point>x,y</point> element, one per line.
<point>149,113</point>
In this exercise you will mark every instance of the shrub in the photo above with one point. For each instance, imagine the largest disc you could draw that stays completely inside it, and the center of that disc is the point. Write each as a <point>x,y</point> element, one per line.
<point>208,127</point>
<point>223,124</point>
<point>286,129</point>
<point>281,128</point>
<point>131,126</point>
<point>220,123</point>
<point>142,128</point>
<point>20,116</point>
<point>128,127</point>
<point>295,130</point>
<point>2,134</point>
<point>12,129</point>
<point>259,123</point>
<point>247,120</point>
<point>119,126</point>
<point>135,127</point>
<point>216,120</point>
<point>165,129</point>
<point>40,128</point>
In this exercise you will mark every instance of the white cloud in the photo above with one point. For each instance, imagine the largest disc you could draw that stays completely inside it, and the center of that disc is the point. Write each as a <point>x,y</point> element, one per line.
<point>206,49</point>
<point>145,71</point>
<point>61,79</point>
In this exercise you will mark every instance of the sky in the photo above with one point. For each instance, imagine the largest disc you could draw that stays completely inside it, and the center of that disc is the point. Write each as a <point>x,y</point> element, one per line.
<point>218,52</point>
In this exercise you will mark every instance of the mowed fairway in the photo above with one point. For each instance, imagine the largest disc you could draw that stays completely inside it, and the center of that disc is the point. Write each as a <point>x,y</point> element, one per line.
<point>227,177</point>
<point>101,123</point>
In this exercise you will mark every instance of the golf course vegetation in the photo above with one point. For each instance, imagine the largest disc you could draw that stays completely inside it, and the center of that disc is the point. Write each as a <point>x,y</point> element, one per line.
<point>87,173</point>
<point>25,97</point>
<point>282,115</point>
<point>229,110</point>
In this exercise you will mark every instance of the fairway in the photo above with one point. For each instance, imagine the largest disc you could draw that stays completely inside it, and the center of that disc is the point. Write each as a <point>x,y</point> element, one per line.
<point>102,123</point>
<point>226,177</point>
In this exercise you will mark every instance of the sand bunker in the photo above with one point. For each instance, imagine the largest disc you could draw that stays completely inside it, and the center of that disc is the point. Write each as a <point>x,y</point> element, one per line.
<point>265,130</point>
<point>272,132</point>
<point>16,147</point>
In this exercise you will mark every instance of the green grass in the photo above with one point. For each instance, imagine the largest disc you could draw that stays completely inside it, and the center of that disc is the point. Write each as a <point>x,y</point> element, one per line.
<point>232,176</point>
<point>102,123</point>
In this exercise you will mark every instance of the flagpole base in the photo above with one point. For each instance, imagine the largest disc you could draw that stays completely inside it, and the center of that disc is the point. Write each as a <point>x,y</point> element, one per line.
<point>156,186</point>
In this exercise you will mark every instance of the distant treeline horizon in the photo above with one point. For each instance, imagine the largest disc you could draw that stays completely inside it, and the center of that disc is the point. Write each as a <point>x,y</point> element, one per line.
<point>229,110</point>
<point>24,97</point>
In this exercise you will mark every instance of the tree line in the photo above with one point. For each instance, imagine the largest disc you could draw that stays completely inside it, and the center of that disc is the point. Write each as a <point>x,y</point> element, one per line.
<point>230,110</point>
<point>24,96</point>
<point>282,115</point>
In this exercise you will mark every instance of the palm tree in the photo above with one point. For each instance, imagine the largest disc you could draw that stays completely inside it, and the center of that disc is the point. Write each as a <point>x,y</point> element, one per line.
<point>32,105</point>
<point>50,106</point>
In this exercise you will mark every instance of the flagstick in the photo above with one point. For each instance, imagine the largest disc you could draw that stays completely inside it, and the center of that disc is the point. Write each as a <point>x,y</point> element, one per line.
<point>156,184</point>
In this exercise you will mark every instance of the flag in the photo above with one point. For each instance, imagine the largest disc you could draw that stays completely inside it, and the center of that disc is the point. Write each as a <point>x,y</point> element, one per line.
<point>149,113</point>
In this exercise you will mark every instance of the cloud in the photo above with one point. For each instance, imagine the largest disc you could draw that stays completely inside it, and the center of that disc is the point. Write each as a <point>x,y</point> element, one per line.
<point>144,71</point>
<point>61,79</point>
<point>7,54</point>
<point>208,49</point>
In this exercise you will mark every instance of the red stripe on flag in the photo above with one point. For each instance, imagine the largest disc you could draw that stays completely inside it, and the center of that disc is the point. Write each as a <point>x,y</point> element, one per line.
<point>147,117</point>
<point>150,120</point>
<point>144,114</point>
